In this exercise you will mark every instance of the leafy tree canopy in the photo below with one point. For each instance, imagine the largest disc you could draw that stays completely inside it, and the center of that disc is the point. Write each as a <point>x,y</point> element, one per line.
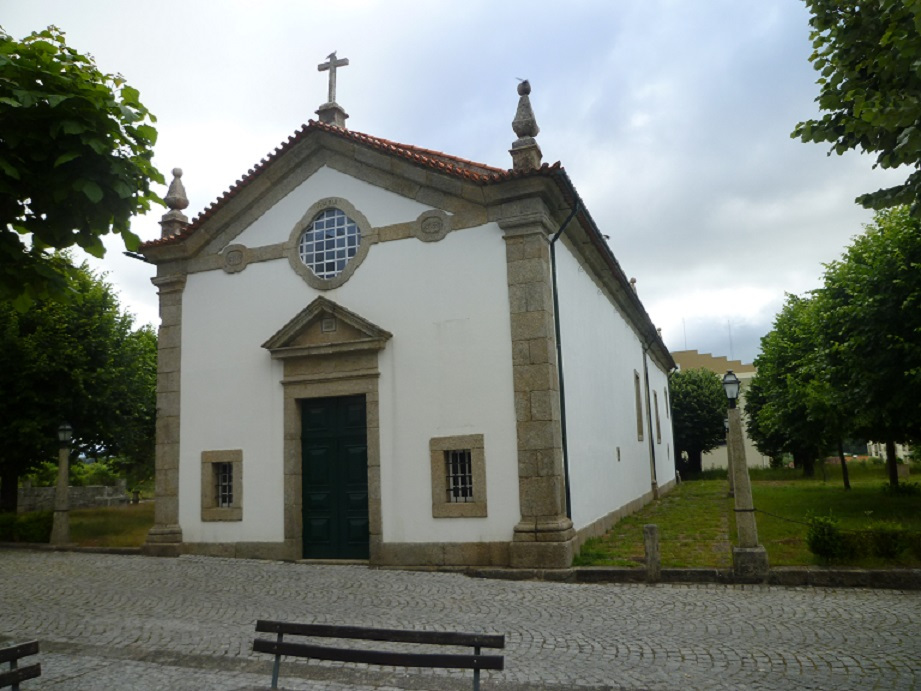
<point>698,411</point>
<point>872,325</point>
<point>847,359</point>
<point>869,58</point>
<point>77,361</point>
<point>789,398</point>
<point>75,161</point>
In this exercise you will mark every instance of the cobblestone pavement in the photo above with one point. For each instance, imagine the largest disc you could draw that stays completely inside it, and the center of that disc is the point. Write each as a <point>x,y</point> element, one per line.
<point>132,622</point>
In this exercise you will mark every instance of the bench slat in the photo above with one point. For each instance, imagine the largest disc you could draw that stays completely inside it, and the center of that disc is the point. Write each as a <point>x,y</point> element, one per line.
<point>15,652</point>
<point>380,657</point>
<point>391,635</point>
<point>20,674</point>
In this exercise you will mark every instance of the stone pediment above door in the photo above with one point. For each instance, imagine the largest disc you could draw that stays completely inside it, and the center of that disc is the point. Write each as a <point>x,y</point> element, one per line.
<point>326,328</point>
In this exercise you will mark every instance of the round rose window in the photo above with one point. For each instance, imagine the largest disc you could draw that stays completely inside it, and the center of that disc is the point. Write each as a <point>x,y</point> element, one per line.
<point>329,243</point>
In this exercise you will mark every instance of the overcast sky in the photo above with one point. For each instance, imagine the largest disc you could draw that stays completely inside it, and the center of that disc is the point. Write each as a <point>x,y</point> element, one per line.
<point>672,119</point>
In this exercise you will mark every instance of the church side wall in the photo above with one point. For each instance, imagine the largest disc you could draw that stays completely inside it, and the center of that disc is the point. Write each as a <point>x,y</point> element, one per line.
<point>609,466</point>
<point>445,372</point>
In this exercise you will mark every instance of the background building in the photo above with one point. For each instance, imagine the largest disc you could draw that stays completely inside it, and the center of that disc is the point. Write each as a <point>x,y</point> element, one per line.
<point>691,359</point>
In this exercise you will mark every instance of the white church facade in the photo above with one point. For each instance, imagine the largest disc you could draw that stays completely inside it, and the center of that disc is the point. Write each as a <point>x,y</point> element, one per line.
<point>373,351</point>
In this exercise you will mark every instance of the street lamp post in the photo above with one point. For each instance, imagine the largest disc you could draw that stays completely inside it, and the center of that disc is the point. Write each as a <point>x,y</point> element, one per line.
<point>728,457</point>
<point>60,527</point>
<point>749,558</point>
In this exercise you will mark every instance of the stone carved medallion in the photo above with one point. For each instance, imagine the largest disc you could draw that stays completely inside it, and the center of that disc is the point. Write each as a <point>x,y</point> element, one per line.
<point>432,226</point>
<point>235,258</point>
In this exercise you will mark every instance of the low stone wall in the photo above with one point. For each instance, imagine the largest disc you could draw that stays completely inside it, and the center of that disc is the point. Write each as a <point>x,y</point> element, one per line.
<point>91,496</point>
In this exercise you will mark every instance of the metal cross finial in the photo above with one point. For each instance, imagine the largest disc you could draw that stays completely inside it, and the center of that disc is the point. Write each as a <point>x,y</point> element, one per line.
<point>331,65</point>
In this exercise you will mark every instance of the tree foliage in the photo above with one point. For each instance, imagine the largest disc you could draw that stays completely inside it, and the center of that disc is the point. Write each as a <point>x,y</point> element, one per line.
<point>846,359</point>
<point>75,161</point>
<point>698,411</point>
<point>872,327</point>
<point>869,58</point>
<point>790,401</point>
<point>77,361</point>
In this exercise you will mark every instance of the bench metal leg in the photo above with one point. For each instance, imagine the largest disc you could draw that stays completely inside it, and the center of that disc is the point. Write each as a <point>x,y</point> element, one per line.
<point>277,664</point>
<point>476,672</point>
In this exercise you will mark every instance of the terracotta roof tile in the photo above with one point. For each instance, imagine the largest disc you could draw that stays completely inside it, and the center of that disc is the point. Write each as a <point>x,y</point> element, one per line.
<point>478,173</point>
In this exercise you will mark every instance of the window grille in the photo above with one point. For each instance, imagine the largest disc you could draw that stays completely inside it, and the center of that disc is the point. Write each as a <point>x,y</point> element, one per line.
<point>459,473</point>
<point>223,476</point>
<point>328,244</point>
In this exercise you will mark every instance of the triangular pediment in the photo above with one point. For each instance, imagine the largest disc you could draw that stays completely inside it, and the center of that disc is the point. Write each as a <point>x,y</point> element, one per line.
<point>431,178</point>
<point>326,328</point>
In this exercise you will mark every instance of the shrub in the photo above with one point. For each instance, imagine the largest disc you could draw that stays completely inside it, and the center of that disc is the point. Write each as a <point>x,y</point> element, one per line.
<point>914,544</point>
<point>27,527</point>
<point>99,473</point>
<point>887,539</point>
<point>7,526</point>
<point>903,489</point>
<point>44,475</point>
<point>883,539</point>
<point>826,540</point>
<point>34,527</point>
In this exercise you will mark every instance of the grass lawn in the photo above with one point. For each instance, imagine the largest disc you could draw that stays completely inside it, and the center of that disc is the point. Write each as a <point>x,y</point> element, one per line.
<point>114,526</point>
<point>697,524</point>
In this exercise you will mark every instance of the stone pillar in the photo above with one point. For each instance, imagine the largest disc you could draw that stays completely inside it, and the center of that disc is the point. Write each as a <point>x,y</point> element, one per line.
<point>729,474</point>
<point>544,536</point>
<point>166,535</point>
<point>749,559</point>
<point>653,557</point>
<point>60,526</point>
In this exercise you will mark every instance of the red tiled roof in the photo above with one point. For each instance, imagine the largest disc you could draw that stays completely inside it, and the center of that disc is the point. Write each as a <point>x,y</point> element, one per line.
<point>478,173</point>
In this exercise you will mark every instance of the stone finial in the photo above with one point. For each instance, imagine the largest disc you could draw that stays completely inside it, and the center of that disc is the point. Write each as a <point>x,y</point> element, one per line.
<point>526,154</point>
<point>331,112</point>
<point>174,220</point>
<point>633,284</point>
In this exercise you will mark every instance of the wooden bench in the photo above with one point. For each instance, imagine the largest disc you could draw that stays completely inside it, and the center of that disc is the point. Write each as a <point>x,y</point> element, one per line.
<point>16,674</point>
<point>476,661</point>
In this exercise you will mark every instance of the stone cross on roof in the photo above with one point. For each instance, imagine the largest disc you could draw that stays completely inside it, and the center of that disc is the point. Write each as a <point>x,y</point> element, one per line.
<point>331,64</point>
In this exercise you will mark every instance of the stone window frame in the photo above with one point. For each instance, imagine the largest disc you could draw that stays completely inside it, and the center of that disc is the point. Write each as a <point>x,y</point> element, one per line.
<point>639,405</point>
<point>441,507</point>
<point>210,511</point>
<point>369,236</point>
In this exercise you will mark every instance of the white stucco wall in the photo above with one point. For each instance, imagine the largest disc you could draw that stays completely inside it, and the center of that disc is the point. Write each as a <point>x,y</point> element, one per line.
<point>600,355</point>
<point>446,371</point>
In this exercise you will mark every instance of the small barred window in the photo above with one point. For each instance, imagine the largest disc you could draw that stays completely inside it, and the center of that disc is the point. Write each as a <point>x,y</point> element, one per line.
<point>459,476</point>
<point>223,478</point>
<point>329,243</point>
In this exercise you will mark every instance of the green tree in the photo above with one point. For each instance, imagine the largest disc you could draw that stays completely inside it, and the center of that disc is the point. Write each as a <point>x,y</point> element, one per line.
<point>767,439</point>
<point>77,361</point>
<point>788,408</point>
<point>75,161</point>
<point>868,55</point>
<point>698,411</point>
<point>872,327</point>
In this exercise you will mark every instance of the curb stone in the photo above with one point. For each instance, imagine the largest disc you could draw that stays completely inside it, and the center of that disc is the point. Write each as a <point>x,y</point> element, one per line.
<point>794,576</point>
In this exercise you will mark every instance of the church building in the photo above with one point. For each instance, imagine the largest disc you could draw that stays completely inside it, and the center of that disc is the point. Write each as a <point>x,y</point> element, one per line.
<point>373,351</point>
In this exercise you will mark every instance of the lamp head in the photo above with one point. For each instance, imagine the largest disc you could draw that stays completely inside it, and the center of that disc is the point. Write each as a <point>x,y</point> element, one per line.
<point>65,433</point>
<point>731,386</point>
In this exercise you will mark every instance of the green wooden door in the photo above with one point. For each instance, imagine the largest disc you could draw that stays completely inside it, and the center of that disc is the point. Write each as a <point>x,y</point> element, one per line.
<point>334,448</point>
